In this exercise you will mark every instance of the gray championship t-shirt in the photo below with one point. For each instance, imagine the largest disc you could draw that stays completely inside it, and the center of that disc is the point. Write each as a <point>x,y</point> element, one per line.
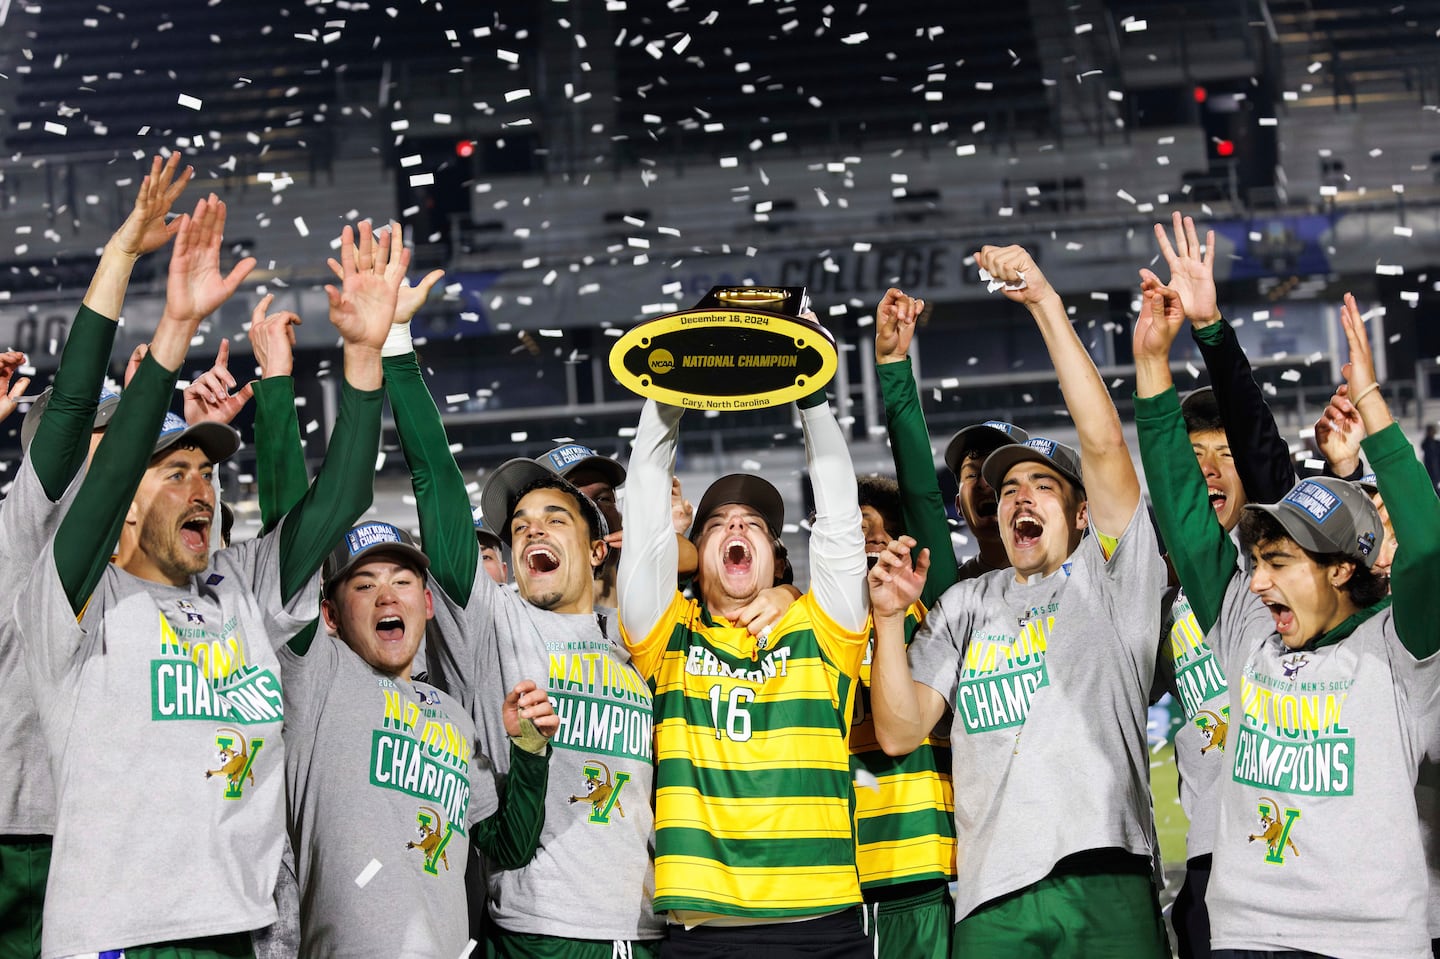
<point>1048,681</point>
<point>1199,687</point>
<point>27,791</point>
<point>598,814</point>
<point>1318,846</point>
<point>162,711</point>
<point>383,786</point>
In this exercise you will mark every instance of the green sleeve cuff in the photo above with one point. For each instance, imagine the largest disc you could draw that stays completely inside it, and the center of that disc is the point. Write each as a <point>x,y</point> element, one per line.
<point>1212,335</point>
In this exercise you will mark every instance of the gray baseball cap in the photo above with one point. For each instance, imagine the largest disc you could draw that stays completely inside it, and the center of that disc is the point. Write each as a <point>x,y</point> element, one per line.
<point>103,411</point>
<point>366,540</point>
<point>218,441</point>
<point>1328,515</point>
<point>987,436</point>
<point>502,494</point>
<point>1037,449</point>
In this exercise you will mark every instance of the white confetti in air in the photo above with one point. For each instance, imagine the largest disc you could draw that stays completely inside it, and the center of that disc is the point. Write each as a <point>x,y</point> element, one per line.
<point>1269,122</point>
<point>751,466</point>
<point>367,873</point>
<point>984,85</point>
<point>729,162</point>
<point>1125,196</point>
<point>1384,269</point>
<point>513,95</point>
<point>508,56</point>
<point>1083,28</point>
<point>300,226</point>
<point>1291,376</point>
<point>422,179</point>
<point>192,103</point>
<point>520,437</point>
<point>965,150</point>
<point>57,128</point>
<point>413,159</point>
<point>1404,231</point>
<point>1135,26</point>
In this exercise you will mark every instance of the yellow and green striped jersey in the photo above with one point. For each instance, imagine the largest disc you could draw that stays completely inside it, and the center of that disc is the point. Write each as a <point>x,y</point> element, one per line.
<point>905,819</point>
<point>754,812</point>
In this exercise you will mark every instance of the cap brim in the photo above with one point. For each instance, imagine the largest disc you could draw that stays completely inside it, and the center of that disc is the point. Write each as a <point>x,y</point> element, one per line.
<point>747,489</point>
<point>217,441</point>
<point>497,499</point>
<point>411,554</point>
<point>999,463</point>
<point>980,437</point>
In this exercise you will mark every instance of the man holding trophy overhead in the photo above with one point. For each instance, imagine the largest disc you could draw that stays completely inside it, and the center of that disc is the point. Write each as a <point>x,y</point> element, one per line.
<point>753,832</point>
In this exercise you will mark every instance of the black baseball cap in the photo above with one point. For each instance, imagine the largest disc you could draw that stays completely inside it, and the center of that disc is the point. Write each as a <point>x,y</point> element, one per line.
<point>364,541</point>
<point>747,488</point>
<point>1063,459</point>
<point>218,441</point>
<point>987,436</point>
<point>1328,515</point>
<point>105,409</point>
<point>575,458</point>
<point>486,535</point>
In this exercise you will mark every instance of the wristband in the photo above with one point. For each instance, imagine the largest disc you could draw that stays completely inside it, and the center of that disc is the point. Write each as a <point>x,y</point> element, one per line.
<point>530,739</point>
<point>1355,400</point>
<point>397,341</point>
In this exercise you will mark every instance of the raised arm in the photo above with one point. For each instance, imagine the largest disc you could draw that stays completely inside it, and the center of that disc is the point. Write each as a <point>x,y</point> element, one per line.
<point>645,581</point>
<point>1409,496</point>
<point>921,504</point>
<point>280,478</point>
<point>508,837</point>
<point>905,711</point>
<point>361,308</point>
<point>1339,433</point>
<point>446,527</point>
<point>1262,457</point>
<point>1201,552</point>
<point>1112,488</point>
<point>837,541</point>
<point>60,443</point>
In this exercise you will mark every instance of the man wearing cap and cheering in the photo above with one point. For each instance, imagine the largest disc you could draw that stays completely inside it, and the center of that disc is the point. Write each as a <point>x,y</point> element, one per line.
<point>753,792</point>
<point>161,668</point>
<point>1333,690</point>
<point>367,743</point>
<point>1047,668</point>
<point>598,819</point>
<point>43,483</point>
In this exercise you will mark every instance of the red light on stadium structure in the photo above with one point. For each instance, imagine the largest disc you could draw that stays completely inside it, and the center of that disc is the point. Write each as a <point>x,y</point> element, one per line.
<point>1225,148</point>
<point>465,149</point>
<point>1200,94</point>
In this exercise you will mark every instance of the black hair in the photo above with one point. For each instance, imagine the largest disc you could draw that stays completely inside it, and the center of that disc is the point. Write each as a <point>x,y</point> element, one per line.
<point>1202,413</point>
<point>588,510</point>
<point>882,494</point>
<point>227,522</point>
<point>1365,587</point>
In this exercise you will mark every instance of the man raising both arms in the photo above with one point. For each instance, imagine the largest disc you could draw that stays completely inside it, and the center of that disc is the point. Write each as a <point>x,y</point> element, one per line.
<point>161,668</point>
<point>1052,806</point>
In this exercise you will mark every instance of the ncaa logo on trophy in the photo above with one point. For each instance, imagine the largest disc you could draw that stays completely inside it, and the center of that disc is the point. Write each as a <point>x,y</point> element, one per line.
<point>739,348</point>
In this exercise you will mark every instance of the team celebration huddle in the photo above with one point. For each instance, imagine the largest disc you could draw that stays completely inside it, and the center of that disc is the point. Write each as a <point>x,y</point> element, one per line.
<point>336,739</point>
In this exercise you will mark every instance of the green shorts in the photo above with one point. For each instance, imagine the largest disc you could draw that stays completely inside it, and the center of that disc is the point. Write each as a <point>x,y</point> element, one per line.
<point>1068,916</point>
<point>24,867</point>
<point>915,928</point>
<point>500,944</point>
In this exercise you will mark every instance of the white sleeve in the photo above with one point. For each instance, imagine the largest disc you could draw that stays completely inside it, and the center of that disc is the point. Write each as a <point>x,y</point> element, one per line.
<point>645,582</point>
<point>837,542</point>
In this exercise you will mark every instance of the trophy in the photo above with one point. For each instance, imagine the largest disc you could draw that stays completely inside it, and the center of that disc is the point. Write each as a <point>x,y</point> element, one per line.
<point>739,348</point>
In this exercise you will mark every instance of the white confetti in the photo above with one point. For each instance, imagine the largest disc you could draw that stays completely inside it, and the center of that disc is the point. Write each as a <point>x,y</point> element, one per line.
<point>1384,269</point>
<point>513,95</point>
<point>186,100</point>
<point>519,437</point>
<point>422,179</point>
<point>58,128</point>
<point>469,948</point>
<point>1404,231</point>
<point>1083,28</point>
<point>300,226</point>
<point>865,778</point>
<point>367,873</point>
<point>855,38</point>
<point>508,56</point>
<point>1291,376</point>
<point>1135,26</point>
<point>984,85</point>
<point>965,150</point>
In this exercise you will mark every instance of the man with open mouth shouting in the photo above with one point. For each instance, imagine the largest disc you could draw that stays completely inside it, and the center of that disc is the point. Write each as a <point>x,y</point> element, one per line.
<point>754,844</point>
<point>1029,659</point>
<point>1332,689</point>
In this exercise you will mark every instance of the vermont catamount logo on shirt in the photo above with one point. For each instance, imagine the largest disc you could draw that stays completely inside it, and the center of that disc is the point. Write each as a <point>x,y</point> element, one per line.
<point>435,835</point>
<point>1001,672</point>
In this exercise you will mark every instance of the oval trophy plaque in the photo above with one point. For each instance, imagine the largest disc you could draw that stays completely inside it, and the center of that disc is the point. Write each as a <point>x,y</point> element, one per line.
<point>739,348</point>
